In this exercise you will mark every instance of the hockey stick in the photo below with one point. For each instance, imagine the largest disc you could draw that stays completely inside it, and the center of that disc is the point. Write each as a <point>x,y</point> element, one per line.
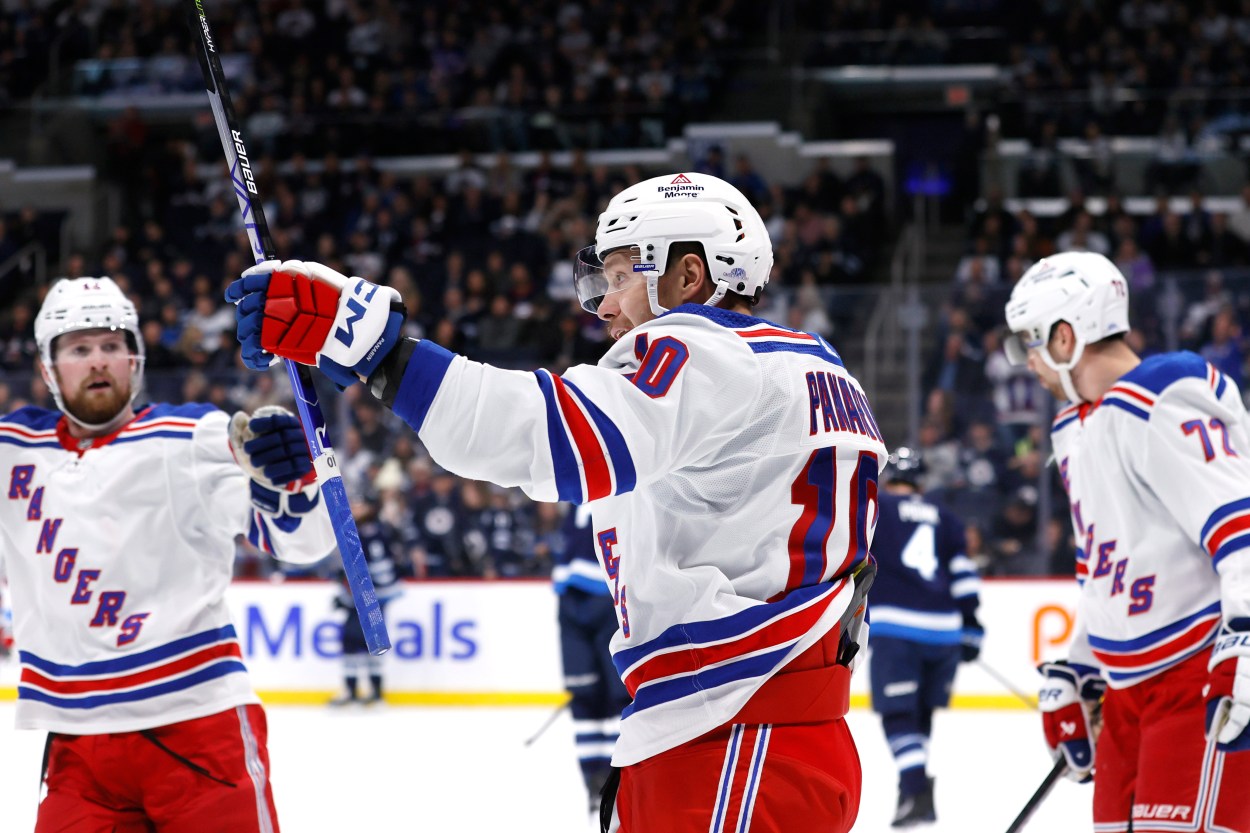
<point>550,720</point>
<point>313,423</point>
<point>1007,684</point>
<point>1048,784</point>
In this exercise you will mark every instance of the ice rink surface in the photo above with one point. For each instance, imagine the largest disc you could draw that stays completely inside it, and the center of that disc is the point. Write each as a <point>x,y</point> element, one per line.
<point>453,770</point>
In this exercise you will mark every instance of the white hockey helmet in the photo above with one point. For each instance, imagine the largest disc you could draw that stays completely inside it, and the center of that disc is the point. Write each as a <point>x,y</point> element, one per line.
<point>1084,289</point>
<point>686,207</point>
<point>75,304</point>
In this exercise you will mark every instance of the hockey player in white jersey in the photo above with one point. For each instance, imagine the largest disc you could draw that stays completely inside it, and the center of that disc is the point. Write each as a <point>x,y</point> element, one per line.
<point>732,464</point>
<point>118,535</point>
<point>1155,456</point>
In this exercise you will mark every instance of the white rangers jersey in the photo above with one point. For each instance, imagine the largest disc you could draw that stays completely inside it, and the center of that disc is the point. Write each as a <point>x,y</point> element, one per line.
<point>1158,476</point>
<point>733,468</point>
<point>118,555</point>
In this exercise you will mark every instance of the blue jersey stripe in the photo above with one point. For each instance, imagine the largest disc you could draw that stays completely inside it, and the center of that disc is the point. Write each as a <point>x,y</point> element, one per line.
<point>9,439</point>
<point>1124,406</point>
<point>169,435</point>
<point>1220,514</point>
<point>717,630</point>
<point>1065,423</point>
<point>132,661</point>
<point>1154,668</point>
<point>1232,545</point>
<point>423,376</point>
<point>928,636</point>
<point>1223,383</point>
<point>618,449</point>
<point>1149,640</point>
<point>564,461</point>
<point>786,347</point>
<point>650,696</point>
<point>219,669</point>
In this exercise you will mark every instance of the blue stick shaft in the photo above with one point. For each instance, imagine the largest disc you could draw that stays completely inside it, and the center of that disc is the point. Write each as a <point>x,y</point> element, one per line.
<point>334,496</point>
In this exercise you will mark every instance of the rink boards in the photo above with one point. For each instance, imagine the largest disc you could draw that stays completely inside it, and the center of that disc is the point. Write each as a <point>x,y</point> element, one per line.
<point>497,643</point>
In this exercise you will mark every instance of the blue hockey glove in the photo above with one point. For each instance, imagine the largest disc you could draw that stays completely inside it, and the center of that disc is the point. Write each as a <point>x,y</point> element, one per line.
<point>309,313</point>
<point>1228,690</point>
<point>970,638</point>
<point>1068,698</point>
<point>269,445</point>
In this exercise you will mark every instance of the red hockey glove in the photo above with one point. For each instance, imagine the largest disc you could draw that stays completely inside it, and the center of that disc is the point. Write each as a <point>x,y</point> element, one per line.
<point>309,313</point>
<point>1228,690</point>
<point>1067,699</point>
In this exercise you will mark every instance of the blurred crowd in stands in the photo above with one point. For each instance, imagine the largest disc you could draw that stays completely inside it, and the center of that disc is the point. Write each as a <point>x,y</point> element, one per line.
<point>482,253</point>
<point>483,256</point>
<point>400,76</point>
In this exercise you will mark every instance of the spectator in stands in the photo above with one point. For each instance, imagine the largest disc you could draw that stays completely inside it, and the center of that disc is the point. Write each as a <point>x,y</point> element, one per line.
<point>1223,348</point>
<point>748,180</point>
<point>1082,236</point>
<point>1013,540</point>
<point>1040,170</point>
<point>1015,393</point>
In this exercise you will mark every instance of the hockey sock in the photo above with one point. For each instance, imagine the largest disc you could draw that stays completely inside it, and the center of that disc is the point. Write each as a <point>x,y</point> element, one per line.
<point>910,747</point>
<point>351,686</point>
<point>373,665</point>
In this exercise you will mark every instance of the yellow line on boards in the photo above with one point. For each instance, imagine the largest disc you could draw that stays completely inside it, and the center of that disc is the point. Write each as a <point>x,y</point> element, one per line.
<point>541,698</point>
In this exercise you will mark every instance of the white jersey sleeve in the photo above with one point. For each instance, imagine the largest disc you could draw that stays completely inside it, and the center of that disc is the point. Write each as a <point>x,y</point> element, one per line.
<point>597,431</point>
<point>1197,460</point>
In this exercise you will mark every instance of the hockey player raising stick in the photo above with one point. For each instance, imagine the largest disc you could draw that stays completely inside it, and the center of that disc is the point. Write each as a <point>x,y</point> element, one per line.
<point>118,540</point>
<point>732,465</point>
<point>1155,456</point>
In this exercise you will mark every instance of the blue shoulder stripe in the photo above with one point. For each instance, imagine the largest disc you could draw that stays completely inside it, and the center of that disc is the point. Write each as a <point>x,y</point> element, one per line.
<point>786,347</point>
<point>191,410</point>
<point>1126,407</point>
<point>36,419</point>
<point>1156,373</point>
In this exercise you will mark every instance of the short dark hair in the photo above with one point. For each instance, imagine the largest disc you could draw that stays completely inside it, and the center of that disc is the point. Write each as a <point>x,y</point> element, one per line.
<point>678,250</point>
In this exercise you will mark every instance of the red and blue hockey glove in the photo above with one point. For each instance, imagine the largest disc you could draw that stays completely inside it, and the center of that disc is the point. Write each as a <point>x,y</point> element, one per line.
<point>1228,690</point>
<point>309,313</point>
<point>269,445</point>
<point>970,638</point>
<point>1068,698</point>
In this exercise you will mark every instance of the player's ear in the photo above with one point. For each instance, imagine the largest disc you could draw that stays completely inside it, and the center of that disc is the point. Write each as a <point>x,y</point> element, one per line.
<point>1062,341</point>
<point>46,372</point>
<point>693,276</point>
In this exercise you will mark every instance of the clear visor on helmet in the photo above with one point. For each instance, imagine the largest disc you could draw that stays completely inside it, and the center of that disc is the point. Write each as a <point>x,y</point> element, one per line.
<point>596,278</point>
<point>1018,345</point>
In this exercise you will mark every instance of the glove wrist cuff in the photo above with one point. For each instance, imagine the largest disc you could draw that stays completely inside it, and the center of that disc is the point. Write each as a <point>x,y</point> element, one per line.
<point>385,381</point>
<point>1230,645</point>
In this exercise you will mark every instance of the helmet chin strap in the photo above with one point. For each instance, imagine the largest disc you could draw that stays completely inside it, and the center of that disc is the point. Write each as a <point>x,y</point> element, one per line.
<point>1065,370</point>
<point>653,294</point>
